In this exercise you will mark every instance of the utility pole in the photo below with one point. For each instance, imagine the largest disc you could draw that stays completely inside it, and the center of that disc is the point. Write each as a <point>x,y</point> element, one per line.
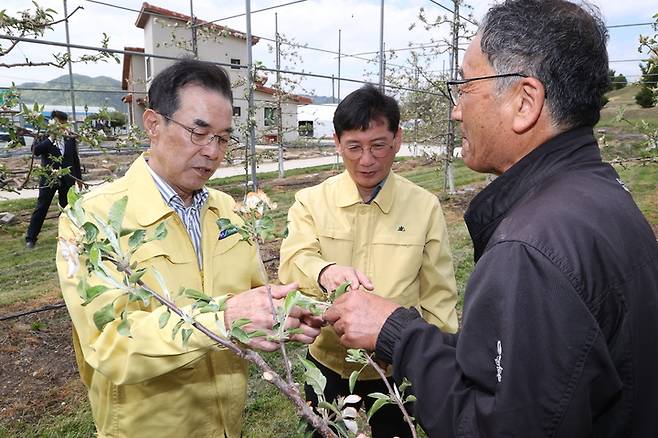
<point>339,65</point>
<point>416,95</point>
<point>68,51</point>
<point>449,178</point>
<point>382,67</point>
<point>333,96</point>
<point>195,49</point>
<point>279,124</point>
<point>251,113</point>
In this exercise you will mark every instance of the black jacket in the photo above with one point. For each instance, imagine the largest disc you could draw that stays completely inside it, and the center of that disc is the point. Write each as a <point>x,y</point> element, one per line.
<point>560,322</point>
<point>47,150</point>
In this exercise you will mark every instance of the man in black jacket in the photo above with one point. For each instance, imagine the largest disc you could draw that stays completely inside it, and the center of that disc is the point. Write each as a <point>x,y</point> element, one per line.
<point>560,313</point>
<point>55,153</point>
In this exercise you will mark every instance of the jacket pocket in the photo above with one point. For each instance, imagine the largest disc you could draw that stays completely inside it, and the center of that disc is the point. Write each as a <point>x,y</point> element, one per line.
<point>336,246</point>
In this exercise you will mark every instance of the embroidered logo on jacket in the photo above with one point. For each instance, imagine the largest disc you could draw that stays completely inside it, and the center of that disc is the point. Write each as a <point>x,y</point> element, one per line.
<point>498,360</point>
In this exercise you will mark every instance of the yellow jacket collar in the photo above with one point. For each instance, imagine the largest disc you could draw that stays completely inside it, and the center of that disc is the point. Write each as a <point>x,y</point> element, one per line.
<point>152,206</point>
<point>348,193</point>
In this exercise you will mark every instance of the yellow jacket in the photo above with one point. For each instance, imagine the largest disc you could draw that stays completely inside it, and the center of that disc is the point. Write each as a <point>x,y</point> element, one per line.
<point>148,384</point>
<point>399,240</point>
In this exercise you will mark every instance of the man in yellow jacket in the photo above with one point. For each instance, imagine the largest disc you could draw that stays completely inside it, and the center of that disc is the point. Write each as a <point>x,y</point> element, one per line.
<point>376,230</point>
<point>148,384</point>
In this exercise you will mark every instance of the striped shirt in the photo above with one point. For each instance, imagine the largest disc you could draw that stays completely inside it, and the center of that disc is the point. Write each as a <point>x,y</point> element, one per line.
<point>191,216</point>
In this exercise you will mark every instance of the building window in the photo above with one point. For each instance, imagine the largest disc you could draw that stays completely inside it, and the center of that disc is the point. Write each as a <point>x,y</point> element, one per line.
<point>235,62</point>
<point>237,111</point>
<point>149,68</point>
<point>270,116</point>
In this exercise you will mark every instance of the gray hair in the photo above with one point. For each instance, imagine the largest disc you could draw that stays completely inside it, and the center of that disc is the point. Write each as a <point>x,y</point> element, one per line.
<point>558,42</point>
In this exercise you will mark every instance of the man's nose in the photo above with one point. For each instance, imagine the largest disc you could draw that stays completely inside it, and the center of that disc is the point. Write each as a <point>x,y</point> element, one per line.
<point>456,113</point>
<point>367,158</point>
<point>213,151</point>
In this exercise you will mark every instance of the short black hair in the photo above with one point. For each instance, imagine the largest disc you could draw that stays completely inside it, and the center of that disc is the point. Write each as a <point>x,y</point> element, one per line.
<point>363,106</point>
<point>563,44</point>
<point>163,92</point>
<point>59,115</point>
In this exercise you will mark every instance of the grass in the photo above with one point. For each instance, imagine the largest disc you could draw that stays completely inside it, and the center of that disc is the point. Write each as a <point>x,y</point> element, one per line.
<point>37,274</point>
<point>625,98</point>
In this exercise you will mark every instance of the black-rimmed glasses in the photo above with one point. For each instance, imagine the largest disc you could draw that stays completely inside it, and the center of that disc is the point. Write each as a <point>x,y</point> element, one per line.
<point>225,141</point>
<point>454,86</point>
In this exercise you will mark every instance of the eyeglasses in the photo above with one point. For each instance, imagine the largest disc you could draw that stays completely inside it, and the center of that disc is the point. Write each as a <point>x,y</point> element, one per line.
<point>205,138</point>
<point>454,86</point>
<point>377,150</point>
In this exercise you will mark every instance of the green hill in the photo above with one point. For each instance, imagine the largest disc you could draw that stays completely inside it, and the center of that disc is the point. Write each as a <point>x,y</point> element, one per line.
<point>625,97</point>
<point>98,98</point>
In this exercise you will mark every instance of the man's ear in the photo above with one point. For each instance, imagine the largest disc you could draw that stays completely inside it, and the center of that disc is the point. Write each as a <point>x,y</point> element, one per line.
<point>529,103</point>
<point>337,143</point>
<point>151,122</point>
<point>397,140</point>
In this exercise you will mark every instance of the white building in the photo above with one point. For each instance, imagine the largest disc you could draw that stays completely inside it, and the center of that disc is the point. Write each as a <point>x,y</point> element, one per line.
<point>316,121</point>
<point>167,33</point>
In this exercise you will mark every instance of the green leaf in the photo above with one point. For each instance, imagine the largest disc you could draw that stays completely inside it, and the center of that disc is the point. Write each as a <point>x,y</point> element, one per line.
<point>379,395</point>
<point>410,399</point>
<point>92,292</point>
<point>81,288</point>
<point>340,290</point>
<point>91,231</point>
<point>290,301</point>
<point>224,223</point>
<point>124,328</point>
<point>176,328</point>
<point>164,319</point>
<point>211,307</point>
<point>313,376</point>
<point>257,334</point>
<point>140,294</point>
<point>240,335</point>
<point>115,216</point>
<point>104,316</point>
<point>186,333</point>
<point>238,323</point>
<point>160,232</point>
<point>136,276</point>
<point>72,196</point>
<point>328,406</point>
<point>94,255</point>
<point>136,238</point>
<point>353,377</point>
<point>376,406</point>
<point>196,295</point>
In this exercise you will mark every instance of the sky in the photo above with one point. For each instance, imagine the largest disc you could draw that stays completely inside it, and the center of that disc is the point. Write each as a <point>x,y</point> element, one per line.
<point>312,22</point>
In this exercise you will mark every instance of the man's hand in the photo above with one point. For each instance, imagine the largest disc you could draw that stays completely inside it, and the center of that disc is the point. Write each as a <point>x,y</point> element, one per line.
<point>334,275</point>
<point>358,318</point>
<point>255,306</point>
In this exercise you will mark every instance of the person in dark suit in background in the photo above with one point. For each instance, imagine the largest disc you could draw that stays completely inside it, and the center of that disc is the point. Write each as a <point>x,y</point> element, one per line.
<point>58,154</point>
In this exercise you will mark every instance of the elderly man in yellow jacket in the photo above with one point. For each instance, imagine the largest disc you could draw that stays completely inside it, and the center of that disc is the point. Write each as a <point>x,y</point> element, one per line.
<point>375,229</point>
<point>149,384</point>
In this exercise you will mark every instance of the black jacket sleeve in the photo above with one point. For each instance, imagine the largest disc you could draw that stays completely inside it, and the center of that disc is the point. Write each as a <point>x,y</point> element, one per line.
<point>72,149</point>
<point>43,148</point>
<point>522,366</point>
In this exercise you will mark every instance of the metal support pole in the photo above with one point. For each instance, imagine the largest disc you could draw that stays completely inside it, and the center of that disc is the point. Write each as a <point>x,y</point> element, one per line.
<point>416,105</point>
<point>449,179</point>
<point>279,123</point>
<point>195,49</point>
<point>68,50</point>
<point>381,48</point>
<point>339,64</point>
<point>333,96</point>
<point>251,113</point>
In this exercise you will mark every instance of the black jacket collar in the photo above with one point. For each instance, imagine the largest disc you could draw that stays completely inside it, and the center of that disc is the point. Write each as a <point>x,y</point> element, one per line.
<point>491,205</point>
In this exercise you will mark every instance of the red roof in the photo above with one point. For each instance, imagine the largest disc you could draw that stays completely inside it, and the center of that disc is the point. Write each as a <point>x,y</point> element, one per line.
<point>295,98</point>
<point>148,9</point>
<point>126,65</point>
